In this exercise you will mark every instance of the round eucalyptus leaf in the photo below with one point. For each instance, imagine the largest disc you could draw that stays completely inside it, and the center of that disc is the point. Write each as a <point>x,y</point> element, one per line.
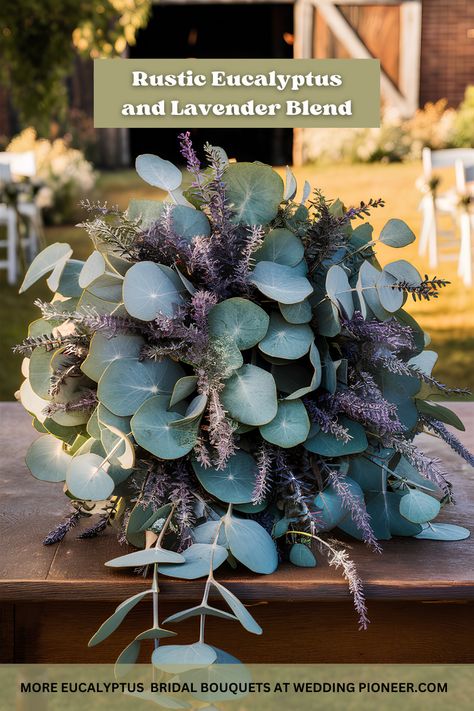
<point>127,383</point>
<point>443,532</point>
<point>404,271</point>
<point>158,172</point>
<point>149,291</point>
<point>297,313</point>
<point>45,262</point>
<point>280,283</point>
<point>302,556</point>
<point>328,445</point>
<point>329,504</point>
<point>390,296</point>
<point>251,545</point>
<point>151,427</point>
<point>339,290</point>
<point>197,561</point>
<point>249,396</point>
<point>47,460</point>
<point>150,556</point>
<point>367,291</point>
<point>40,372</point>
<point>396,233</point>
<point>188,222</point>
<point>103,351</point>
<point>290,427</point>
<point>281,246</point>
<point>234,483</point>
<point>107,287</point>
<point>286,340</point>
<point>87,478</point>
<point>239,319</point>
<point>92,269</point>
<point>177,658</point>
<point>254,192</point>
<point>68,284</point>
<point>419,507</point>
<point>207,532</point>
<point>149,212</point>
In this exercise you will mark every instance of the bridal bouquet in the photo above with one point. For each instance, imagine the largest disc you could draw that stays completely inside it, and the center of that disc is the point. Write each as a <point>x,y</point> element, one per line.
<point>228,378</point>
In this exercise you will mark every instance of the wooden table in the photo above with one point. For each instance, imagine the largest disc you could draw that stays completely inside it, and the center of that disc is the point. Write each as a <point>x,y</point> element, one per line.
<point>52,599</point>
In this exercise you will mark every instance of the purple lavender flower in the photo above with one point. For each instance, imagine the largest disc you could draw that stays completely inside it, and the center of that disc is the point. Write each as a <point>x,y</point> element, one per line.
<point>456,445</point>
<point>58,533</point>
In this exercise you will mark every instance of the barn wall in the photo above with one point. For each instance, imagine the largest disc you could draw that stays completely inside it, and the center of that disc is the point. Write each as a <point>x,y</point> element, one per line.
<point>447,50</point>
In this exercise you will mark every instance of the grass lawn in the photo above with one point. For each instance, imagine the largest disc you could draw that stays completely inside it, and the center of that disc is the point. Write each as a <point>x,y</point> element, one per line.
<point>449,320</point>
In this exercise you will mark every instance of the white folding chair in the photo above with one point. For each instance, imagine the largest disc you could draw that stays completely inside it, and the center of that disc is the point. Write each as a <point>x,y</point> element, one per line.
<point>8,218</point>
<point>465,189</point>
<point>23,165</point>
<point>433,204</point>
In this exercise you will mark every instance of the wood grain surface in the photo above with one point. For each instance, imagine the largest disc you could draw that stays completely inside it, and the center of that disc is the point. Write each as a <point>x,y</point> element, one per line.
<point>52,599</point>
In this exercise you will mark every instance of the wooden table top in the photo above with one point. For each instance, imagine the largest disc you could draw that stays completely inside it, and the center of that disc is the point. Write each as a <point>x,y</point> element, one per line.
<point>408,569</point>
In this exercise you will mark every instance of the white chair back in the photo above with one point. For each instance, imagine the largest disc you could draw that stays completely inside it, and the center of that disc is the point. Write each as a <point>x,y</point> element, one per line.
<point>445,158</point>
<point>22,165</point>
<point>5,173</point>
<point>464,175</point>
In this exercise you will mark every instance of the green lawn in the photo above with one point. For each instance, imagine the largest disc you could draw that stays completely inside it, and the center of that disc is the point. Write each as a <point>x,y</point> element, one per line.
<point>450,320</point>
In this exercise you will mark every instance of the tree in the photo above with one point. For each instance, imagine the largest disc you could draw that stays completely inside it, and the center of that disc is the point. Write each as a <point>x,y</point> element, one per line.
<point>38,39</point>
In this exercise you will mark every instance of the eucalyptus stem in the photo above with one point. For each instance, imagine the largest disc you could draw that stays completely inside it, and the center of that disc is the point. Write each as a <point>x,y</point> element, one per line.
<point>210,577</point>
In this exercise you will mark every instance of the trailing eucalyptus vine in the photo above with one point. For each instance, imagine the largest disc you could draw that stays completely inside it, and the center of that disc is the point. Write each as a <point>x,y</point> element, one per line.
<point>230,376</point>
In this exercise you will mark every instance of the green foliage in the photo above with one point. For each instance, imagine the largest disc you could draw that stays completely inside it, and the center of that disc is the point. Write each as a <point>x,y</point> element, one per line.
<point>37,39</point>
<point>233,390</point>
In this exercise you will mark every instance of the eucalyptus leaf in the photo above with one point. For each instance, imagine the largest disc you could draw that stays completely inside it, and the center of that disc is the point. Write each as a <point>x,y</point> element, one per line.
<point>281,246</point>
<point>280,283</point>
<point>249,396</point>
<point>339,290</point>
<point>239,320</point>
<point>115,620</point>
<point>241,612</point>
<point>103,351</point>
<point>152,429</point>
<point>251,544</point>
<point>47,460</point>
<point>45,262</point>
<point>234,483</point>
<point>297,313</point>
<point>254,192</point>
<point>419,507</point>
<point>179,657</point>
<point>328,445</point>
<point>158,172</point>
<point>127,383</point>
<point>197,561</point>
<point>87,478</point>
<point>302,556</point>
<point>443,532</point>
<point>199,610</point>
<point>149,291</point>
<point>93,268</point>
<point>290,427</point>
<point>286,340</point>
<point>150,556</point>
<point>396,233</point>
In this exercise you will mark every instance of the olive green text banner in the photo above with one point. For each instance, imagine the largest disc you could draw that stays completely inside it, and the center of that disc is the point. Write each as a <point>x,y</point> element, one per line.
<point>231,93</point>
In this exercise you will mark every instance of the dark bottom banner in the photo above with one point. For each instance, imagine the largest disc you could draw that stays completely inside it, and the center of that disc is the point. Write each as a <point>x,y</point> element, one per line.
<point>236,687</point>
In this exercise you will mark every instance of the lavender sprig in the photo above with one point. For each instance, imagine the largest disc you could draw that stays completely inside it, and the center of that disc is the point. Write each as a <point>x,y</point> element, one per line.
<point>58,533</point>
<point>456,445</point>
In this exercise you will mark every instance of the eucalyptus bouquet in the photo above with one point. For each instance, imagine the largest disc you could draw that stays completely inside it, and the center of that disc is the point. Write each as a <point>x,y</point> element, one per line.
<point>229,377</point>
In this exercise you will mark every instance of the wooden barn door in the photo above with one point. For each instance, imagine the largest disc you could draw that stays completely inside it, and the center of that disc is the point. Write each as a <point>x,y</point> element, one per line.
<point>388,30</point>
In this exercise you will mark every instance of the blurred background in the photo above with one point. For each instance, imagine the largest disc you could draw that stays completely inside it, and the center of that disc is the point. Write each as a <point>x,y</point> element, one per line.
<point>420,160</point>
